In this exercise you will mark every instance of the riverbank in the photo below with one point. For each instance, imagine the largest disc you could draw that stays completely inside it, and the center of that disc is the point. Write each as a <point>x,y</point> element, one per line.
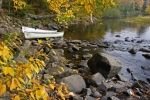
<point>139,20</point>
<point>72,62</point>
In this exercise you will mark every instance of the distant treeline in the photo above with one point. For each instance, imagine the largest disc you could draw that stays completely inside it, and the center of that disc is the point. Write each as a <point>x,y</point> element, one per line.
<point>128,8</point>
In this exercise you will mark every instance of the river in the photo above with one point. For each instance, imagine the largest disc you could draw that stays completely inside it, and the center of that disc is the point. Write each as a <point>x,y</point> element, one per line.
<point>122,36</point>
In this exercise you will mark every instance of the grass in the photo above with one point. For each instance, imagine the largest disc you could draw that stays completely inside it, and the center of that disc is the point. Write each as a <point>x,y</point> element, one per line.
<point>142,20</point>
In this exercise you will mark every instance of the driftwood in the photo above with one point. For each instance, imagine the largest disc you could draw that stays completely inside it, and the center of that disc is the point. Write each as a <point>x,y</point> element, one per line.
<point>38,17</point>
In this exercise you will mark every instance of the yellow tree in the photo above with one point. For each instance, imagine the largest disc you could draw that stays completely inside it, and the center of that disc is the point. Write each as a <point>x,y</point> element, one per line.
<point>71,8</point>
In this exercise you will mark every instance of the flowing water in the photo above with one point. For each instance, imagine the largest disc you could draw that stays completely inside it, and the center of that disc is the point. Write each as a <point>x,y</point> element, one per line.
<point>123,36</point>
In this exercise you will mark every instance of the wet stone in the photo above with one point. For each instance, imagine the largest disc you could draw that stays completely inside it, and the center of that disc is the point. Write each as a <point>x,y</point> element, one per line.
<point>75,83</point>
<point>147,56</point>
<point>70,65</point>
<point>114,98</point>
<point>85,50</point>
<point>117,35</point>
<point>132,51</point>
<point>105,64</point>
<point>76,56</point>
<point>83,63</point>
<point>89,98</point>
<point>102,88</point>
<point>144,50</point>
<point>98,79</point>
<point>76,97</point>
<point>86,56</point>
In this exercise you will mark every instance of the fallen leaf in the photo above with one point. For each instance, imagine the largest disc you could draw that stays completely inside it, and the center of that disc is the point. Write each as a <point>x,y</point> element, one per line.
<point>3,89</point>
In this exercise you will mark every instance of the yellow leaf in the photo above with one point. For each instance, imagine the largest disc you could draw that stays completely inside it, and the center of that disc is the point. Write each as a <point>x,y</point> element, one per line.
<point>14,84</point>
<point>28,73</point>
<point>40,41</point>
<point>32,96</point>
<point>8,71</point>
<point>41,93</point>
<point>17,97</point>
<point>21,80</point>
<point>2,63</point>
<point>2,89</point>
<point>52,86</point>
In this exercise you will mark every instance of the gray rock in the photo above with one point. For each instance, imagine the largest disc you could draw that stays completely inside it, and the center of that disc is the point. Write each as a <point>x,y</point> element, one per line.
<point>110,94</point>
<point>102,88</point>
<point>27,44</point>
<point>86,56</point>
<point>53,26</point>
<point>106,64</point>
<point>104,98</point>
<point>46,50</point>
<point>70,65</point>
<point>114,98</point>
<point>76,41</point>
<point>89,92</point>
<point>95,93</point>
<point>21,58</point>
<point>75,48</point>
<point>75,83</point>
<point>83,63</point>
<point>77,97</point>
<point>85,50</point>
<point>47,77</point>
<point>118,84</point>
<point>89,98</point>
<point>70,50</point>
<point>97,78</point>
<point>76,56</point>
<point>2,31</point>
<point>84,44</point>
<point>34,43</point>
<point>122,78</point>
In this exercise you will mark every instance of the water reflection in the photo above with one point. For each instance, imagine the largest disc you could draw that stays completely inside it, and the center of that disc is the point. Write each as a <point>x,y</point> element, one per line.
<point>107,30</point>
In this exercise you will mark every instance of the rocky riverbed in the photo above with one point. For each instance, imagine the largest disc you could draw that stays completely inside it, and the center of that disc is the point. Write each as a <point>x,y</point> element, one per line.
<point>89,73</point>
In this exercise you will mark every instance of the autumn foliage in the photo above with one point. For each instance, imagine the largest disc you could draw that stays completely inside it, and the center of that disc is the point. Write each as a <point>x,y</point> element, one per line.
<point>67,10</point>
<point>20,80</point>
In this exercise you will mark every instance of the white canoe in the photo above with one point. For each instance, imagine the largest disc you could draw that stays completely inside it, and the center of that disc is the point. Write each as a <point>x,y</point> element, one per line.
<point>31,33</point>
<point>34,30</point>
<point>41,35</point>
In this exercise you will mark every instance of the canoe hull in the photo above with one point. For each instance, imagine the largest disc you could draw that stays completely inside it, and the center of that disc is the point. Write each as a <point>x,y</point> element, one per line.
<point>46,35</point>
<point>31,33</point>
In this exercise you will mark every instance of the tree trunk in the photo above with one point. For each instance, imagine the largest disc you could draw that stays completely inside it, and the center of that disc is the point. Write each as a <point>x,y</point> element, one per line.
<point>91,18</point>
<point>145,5</point>
<point>1,4</point>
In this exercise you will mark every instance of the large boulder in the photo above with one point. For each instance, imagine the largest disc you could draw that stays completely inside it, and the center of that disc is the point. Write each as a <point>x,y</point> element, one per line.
<point>106,64</point>
<point>75,83</point>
